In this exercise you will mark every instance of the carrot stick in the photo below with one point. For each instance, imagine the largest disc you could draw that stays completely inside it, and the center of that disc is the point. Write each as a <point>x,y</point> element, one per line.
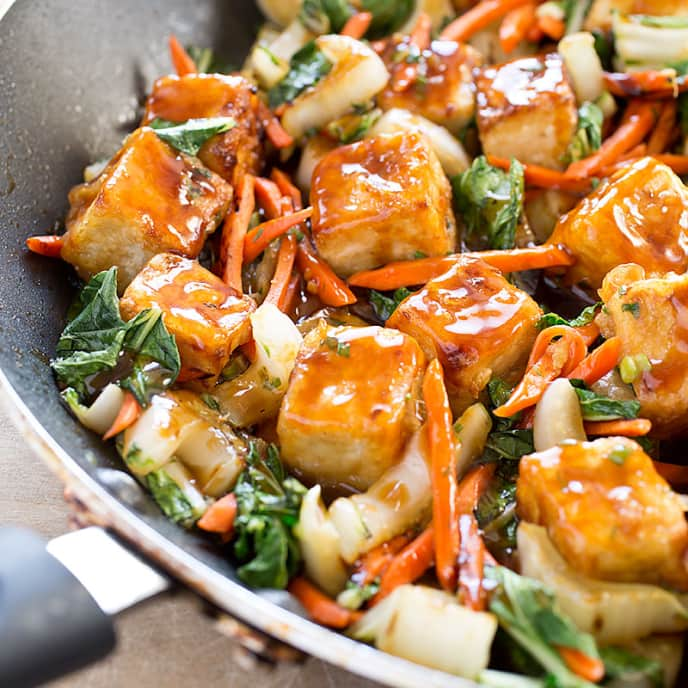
<point>589,332</point>
<point>421,35</point>
<point>588,668</point>
<point>663,134</point>
<point>288,301</point>
<point>357,25</point>
<point>653,82</point>
<point>534,34</point>
<point>320,278</point>
<point>375,562</point>
<point>269,197</point>
<point>280,280</point>
<point>548,360</point>
<point>678,163</point>
<point>597,364</point>
<point>287,187</point>
<point>234,232</point>
<point>441,445</point>
<point>477,18</point>
<point>636,427</point>
<point>318,605</point>
<point>675,475</point>
<point>544,177</point>
<point>219,516</point>
<point>409,565</point>
<point>182,61</point>
<point>47,245</point>
<point>277,134</point>
<point>406,273</point>
<point>551,26</point>
<point>628,135</point>
<point>472,548</point>
<point>128,414</point>
<point>515,25</point>
<point>404,73</point>
<point>258,239</point>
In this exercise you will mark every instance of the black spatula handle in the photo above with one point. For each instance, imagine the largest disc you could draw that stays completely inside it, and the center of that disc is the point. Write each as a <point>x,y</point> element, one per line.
<point>49,623</point>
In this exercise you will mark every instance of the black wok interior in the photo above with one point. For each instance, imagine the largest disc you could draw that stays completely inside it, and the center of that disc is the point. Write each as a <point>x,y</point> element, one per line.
<point>72,79</point>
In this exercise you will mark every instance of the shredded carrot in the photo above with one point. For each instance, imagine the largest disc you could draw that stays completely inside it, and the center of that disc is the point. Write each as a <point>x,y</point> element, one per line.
<point>277,134</point>
<point>588,668</point>
<point>281,279</point>
<point>654,82</point>
<point>628,135</point>
<point>675,475</point>
<point>472,548</point>
<point>552,27</point>
<point>665,131</point>
<point>357,25</point>
<point>441,445</point>
<point>636,427</point>
<point>320,278</point>
<point>406,273</point>
<point>405,73</point>
<point>534,34</point>
<point>219,516</point>
<point>589,332</point>
<point>544,177</point>
<point>234,231</point>
<point>597,364</point>
<point>409,565</point>
<point>678,163</point>
<point>128,414</point>
<point>182,61</point>
<point>421,35</point>
<point>515,25</point>
<point>48,245</point>
<point>550,358</point>
<point>258,239</point>
<point>269,197</point>
<point>287,187</point>
<point>319,606</point>
<point>374,563</point>
<point>287,303</point>
<point>478,17</point>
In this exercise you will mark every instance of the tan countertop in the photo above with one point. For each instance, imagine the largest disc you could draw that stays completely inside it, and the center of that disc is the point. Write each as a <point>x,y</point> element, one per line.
<point>166,642</point>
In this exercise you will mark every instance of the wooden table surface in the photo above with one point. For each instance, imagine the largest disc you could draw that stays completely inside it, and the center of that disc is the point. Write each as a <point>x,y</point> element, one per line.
<point>166,642</point>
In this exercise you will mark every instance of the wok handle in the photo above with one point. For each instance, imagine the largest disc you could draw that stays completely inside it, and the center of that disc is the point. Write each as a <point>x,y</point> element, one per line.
<point>49,623</point>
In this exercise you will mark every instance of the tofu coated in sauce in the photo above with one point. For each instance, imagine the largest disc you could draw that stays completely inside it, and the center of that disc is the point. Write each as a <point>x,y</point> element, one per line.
<point>380,200</point>
<point>607,511</point>
<point>351,405</point>
<point>477,323</point>
<point>149,199</point>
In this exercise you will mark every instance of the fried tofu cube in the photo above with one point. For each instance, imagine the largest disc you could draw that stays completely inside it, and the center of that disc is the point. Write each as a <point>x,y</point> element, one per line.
<point>601,11</point>
<point>192,96</point>
<point>526,109</point>
<point>207,318</point>
<point>350,405</point>
<point>639,215</point>
<point>477,324</point>
<point>607,511</point>
<point>380,200</point>
<point>650,317</point>
<point>149,199</point>
<point>443,89</point>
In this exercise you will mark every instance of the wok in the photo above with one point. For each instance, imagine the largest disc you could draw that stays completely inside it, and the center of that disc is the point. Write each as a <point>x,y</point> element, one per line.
<point>72,78</point>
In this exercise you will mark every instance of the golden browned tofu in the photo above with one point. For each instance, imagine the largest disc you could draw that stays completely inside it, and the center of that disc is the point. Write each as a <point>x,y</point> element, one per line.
<point>149,199</point>
<point>443,90</point>
<point>601,11</point>
<point>640,215</point>
<point>207,318</point>
<point>350,405</point>
<point>607,511</point>
<point>650,317</point>
<point>232,153</point>
<point>526,109</point>
<point>477,324</point>
<point>380,200</point>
